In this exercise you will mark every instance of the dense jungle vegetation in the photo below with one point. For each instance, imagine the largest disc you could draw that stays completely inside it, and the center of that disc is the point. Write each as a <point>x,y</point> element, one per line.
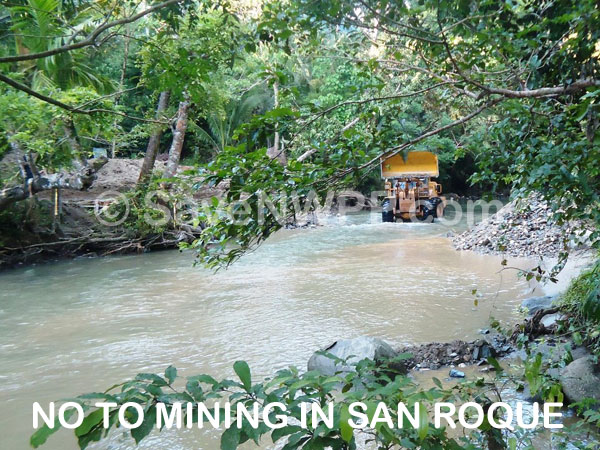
<point>301,96</point>
<point>505,94</point>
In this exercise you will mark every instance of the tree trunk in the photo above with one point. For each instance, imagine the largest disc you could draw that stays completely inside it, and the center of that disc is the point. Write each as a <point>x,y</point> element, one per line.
<point>178,137</point>
<point>79,161</point>
<point>277,150</point>
<point>113,147</point>
<point>154,141</point>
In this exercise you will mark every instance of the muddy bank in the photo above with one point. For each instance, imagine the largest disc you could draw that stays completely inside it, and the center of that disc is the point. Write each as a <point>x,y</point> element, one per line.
<point>35,236</point>
<point>519,229</point>
<point>79,234</point>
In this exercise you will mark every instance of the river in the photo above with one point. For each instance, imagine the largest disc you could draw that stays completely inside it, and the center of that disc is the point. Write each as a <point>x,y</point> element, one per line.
<point>80,326</point>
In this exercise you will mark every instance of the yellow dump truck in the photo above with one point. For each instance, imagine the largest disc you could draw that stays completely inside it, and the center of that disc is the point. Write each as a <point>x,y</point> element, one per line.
<point>410,194</point>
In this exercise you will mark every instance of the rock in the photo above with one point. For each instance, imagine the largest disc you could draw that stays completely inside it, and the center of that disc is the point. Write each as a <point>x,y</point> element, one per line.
<point>353,350</point>
<point>581,379</point>
<point>520,228</point>
<point>534,304</point>
<point>456,374</point>
<point>550,320</point>
<point>554,352</point>
<point>482,350</point>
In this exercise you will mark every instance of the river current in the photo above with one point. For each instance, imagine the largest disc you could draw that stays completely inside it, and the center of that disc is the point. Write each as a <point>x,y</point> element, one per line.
<point>80,326</point>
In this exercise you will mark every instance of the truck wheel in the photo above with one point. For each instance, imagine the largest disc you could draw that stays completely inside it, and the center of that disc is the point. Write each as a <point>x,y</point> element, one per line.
<point>428,212</point>
<point>437,206</point>
<point>387,212</point>
<point>428,215</point>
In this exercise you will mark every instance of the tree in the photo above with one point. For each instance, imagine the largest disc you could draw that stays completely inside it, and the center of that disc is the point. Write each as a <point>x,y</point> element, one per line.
<point>154,141</point>
<point>48,63</point>
<point>219,131</point>
<point>178,137</point>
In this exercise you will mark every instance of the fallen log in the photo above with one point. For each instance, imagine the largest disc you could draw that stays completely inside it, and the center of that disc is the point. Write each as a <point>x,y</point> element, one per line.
<point>81,179</point>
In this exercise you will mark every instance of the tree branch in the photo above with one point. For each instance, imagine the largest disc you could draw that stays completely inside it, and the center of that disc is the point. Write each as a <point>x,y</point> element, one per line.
<point>312,151</point>
<point>572,88</point>
<point>91,39</point>
<point>375,99</point>
<point>75,109</point>
<point>395,150</point>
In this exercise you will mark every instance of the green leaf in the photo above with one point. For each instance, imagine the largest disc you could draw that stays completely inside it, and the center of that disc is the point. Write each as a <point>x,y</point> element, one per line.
<point>156,380</point>
<point>92,419</point>
<point>204,379</point>
<point>495,364</point>
<point>230,438</point>
<point>41,435</point>
<point>171,374</point>
<point>243,372</point>
<point>146,426</point>
<point>285,431</point>
<point>293,441</point>
<point>423,422</point>
<point>345,428</point>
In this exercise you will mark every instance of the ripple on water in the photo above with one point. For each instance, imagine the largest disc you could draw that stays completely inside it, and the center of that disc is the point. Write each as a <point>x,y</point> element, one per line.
<point>80,326</point>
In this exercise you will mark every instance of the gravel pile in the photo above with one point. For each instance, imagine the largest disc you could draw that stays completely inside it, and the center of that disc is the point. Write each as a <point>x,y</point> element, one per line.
<point>456,353</point>
<point>526,230</point>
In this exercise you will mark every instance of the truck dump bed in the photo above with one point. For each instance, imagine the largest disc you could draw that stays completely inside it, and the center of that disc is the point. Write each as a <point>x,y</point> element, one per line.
<point>417,164</point>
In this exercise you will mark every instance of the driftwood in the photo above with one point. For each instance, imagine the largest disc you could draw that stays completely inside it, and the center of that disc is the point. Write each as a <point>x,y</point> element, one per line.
<point>534,326</point>
<point>95,244</point>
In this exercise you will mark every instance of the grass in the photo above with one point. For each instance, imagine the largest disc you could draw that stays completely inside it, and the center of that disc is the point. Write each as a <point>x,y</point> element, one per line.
<point>582,302</point>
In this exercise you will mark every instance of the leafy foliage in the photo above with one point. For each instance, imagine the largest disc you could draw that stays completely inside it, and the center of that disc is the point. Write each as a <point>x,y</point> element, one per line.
<point>582,303</point>
<point>370,383</point>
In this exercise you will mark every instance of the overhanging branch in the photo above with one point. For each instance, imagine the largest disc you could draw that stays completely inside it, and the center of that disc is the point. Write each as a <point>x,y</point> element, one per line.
<point>395,150</point>
<point>91,39</point>
<point>74,109</point>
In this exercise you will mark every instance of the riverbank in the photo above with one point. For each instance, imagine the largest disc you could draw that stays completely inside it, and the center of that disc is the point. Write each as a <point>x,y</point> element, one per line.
<point>77,234</point>
<point>544,357</point>
<point>40,230</point>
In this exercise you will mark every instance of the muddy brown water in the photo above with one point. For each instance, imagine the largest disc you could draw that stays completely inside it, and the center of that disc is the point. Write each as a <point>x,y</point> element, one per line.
<point>80,326</point>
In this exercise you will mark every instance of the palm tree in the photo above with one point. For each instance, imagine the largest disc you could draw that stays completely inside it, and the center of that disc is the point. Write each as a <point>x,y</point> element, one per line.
<point>38,25</point>
<point>220,128</point>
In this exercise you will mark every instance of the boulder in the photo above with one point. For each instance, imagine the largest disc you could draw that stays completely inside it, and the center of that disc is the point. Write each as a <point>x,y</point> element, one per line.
<point>352,350</point>
<point>550,320</point>
<point>456,373</point>
<point>581,379</point>
<point>534,304</point>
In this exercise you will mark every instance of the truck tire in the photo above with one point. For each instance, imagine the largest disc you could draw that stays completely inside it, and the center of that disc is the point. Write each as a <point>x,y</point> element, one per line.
<point>428,212</point>
<point>438,211</point>
<point>387,212</point>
